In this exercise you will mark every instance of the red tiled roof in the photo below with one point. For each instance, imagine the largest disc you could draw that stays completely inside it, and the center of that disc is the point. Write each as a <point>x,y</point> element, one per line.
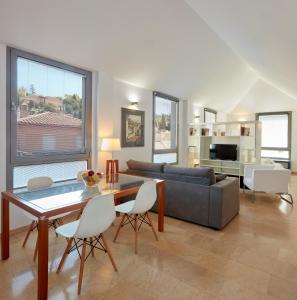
<point>50,119</point>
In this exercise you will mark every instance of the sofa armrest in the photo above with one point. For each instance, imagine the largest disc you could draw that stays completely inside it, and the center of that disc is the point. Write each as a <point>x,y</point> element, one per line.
<point>223,202</point>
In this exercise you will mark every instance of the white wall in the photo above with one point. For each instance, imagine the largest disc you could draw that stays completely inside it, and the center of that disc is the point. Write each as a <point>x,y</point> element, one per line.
<point>113,95</point>
<point>264,97</point>
<point>17,218</point>
<point>109,95</point>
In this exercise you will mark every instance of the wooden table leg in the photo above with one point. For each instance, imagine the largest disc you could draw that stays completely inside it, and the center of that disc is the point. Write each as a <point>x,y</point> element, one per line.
<point>161,206</point>
<point>42,258</point>
<point>5,228</point>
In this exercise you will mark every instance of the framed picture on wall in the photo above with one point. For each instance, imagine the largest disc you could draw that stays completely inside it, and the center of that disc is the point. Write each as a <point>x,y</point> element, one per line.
<point>132,134</point>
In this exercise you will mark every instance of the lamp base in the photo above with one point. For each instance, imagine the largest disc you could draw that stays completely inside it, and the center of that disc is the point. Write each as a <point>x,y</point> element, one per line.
<point>112,167</point>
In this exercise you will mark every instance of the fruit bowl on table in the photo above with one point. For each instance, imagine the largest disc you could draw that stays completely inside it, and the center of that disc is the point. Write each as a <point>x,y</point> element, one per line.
<point>90,178</point>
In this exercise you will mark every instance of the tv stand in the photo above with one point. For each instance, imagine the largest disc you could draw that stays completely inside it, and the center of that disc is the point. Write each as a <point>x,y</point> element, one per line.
<point>246,135</point>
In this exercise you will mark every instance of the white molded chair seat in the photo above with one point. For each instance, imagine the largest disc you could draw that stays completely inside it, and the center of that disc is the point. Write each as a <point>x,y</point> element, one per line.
<point>126,207</point>
<point>138,208</point>
<point>68,230</point>
<point>96,217</point>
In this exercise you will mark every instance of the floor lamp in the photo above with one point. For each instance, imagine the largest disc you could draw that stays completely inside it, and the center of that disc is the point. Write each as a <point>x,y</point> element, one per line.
<point>111,145</point>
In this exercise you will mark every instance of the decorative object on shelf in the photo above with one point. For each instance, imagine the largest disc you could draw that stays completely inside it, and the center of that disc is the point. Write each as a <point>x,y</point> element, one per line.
<point>214,133</point>
<point>244,131</point>
<point>192,131</point>
<point>205,131</point>
<point>132,134</point>
<point>90,178</point>
<point>223,133</point>
<point>111,145</point>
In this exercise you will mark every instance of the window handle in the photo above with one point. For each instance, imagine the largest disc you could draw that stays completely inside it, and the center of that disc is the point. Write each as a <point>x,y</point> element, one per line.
<point>13,106</point>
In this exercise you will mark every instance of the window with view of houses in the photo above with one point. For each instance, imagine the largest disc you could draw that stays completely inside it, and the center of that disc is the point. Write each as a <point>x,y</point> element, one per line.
<point>165,143</point>
<point>50,106</point>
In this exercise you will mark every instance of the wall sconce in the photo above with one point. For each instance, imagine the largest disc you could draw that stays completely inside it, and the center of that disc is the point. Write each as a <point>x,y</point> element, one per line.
<point>133,101</point>
<point>196,118</point>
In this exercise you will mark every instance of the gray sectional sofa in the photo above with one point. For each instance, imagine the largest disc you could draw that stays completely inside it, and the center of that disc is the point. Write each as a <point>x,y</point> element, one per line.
<point>193,194</point>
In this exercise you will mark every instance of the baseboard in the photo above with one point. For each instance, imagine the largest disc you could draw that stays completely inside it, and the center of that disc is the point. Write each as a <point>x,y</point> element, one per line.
<point>17,230</point>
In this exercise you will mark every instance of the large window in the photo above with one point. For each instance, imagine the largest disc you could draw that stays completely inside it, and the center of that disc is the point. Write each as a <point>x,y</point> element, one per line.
<point>49,112</point>
<point>165,134</point>
<point>276,134</point>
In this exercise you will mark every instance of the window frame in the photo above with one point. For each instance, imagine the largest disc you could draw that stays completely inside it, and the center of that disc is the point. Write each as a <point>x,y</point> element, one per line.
<point>210,111</point>
<point>288,148</point>
<point>12,160</point>
<point>171,150</point>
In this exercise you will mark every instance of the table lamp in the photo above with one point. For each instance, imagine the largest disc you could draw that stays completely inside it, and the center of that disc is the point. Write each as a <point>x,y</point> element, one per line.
<point>111,145</point>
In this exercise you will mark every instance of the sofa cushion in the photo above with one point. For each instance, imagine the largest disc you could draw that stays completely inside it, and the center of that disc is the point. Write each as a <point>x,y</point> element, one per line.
<point>193,172</point>
<point>220,177</point>
<point>145,166</point>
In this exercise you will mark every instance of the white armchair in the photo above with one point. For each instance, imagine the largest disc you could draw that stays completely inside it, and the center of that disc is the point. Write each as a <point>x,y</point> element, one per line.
<point>269,179</point>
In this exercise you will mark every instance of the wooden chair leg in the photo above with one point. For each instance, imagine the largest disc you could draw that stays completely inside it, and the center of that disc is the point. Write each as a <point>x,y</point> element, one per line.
<point>136,233</point>
<point>109,252</point>
<point>61,264</point>
<point>60,221</point>
<point>54,224</point>
<point>119,228</point>
<point>82,264</point>
<point>152,226</point>
<point>35,250</point>
<point>92,249</point>
<point>30,229</point>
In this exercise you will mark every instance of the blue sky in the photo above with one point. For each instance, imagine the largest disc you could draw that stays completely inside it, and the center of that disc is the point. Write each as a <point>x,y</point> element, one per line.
<point>47,80</point>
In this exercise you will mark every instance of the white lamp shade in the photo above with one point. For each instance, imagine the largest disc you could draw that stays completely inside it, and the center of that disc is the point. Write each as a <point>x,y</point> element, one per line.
<point>110,144</point>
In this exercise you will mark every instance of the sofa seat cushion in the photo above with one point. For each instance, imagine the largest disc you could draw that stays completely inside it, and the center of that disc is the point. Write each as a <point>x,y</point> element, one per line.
<point>207,173</point>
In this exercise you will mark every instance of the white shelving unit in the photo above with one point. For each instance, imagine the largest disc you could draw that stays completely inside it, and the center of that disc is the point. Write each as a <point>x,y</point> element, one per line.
<point>247,136</point>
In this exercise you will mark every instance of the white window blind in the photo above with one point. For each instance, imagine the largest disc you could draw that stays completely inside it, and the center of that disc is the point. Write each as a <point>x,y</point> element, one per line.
<point>57,171</point>
<point>274,130</point>
<point>275,135</point>
<point>165,128</point>
<point>50,109</point>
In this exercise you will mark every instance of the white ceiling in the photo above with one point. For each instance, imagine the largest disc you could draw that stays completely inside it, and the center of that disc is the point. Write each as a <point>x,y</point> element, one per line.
<point>263,97</point>
<point>262,32</point>
<point>160,45</point>
<point>197,52</point>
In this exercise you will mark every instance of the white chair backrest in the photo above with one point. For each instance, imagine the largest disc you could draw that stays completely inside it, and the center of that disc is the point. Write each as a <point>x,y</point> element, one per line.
<point>37,183</point>
<point>78,176</point>
<point>97,216</point>
<point>145,198</point>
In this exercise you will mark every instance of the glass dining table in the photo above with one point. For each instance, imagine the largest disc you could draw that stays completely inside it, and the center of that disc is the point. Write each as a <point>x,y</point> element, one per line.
<point>66,197</point>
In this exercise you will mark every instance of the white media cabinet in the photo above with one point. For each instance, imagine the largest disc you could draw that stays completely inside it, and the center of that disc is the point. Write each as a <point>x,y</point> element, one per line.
<point>246,135</point>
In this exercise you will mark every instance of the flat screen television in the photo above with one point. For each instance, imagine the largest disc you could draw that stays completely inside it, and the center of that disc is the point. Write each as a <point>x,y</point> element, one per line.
<point>223,151</point>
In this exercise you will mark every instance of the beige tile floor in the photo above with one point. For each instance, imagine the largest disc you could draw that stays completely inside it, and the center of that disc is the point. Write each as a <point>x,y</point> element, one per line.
<point>254,257</point>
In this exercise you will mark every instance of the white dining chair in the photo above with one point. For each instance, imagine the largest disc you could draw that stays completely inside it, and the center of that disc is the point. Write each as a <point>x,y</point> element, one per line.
<point>79,176</point>
<point>97,216</point>
<point>33,184</point>
<point>135,212</point>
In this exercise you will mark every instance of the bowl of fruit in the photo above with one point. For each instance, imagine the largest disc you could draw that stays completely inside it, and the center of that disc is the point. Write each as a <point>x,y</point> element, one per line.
<point>91,178</point>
